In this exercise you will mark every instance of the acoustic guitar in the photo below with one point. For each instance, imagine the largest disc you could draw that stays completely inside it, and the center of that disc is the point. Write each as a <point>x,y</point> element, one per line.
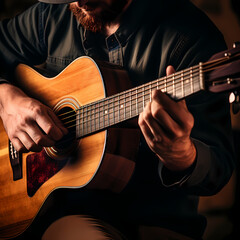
<point>96,103</point>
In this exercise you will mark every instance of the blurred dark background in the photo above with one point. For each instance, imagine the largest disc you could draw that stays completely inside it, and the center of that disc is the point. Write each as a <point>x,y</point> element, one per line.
<point>223,209</point>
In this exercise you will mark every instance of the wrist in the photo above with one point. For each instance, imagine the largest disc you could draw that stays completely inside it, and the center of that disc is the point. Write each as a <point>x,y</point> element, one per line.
<point>180,160</point>
<point>8,92</point>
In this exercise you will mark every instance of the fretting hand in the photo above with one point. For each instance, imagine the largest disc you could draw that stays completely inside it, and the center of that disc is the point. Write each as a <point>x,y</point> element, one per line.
<point>166,126</point>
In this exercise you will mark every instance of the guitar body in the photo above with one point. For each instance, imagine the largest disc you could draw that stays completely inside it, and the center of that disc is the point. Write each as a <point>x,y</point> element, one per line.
<point>103,160</point>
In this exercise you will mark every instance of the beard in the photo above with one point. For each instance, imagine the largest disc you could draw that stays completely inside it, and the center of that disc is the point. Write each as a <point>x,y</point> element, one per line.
<point>95,21</point>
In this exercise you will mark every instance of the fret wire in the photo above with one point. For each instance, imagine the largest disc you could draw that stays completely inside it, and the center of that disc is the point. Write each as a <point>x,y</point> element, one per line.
<point>91,119</point>
<point>130,105</point>
<point>143,98</point>
<point>113,113</point>
<point>78,119</point>
<point>150,92</point>
<point>86,116</point>
<point>137,101</point>
<point>182,85</point>
<point>94,120</point>
<point>99,116</point>
<point>83,121</point>
<point>165,84</point>
<point>118,109</point>
<point>191,79</point>
<point>173,83</point>
<point>107,113</point>
<point>124,107</point>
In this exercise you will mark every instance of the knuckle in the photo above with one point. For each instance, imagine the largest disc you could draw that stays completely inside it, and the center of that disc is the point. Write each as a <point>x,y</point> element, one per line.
<point>140,120</point>
<point>36,109</point>
<point>49,128</point>
<point>156,113</point>
<point>19,147</point>
<point>189,123</point>
<point>155,94</point>
<point>178,134</point>
<point>30,146</point>
<point>146,116</point>
<point>153,145</point>
<point>11,135</point>
<point>38,140</point>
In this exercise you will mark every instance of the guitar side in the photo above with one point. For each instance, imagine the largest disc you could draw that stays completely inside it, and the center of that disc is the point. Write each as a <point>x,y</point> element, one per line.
<point>88,167</point>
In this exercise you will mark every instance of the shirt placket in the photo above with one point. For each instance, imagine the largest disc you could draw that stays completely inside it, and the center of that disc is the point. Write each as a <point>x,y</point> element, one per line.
<point>114,50</point>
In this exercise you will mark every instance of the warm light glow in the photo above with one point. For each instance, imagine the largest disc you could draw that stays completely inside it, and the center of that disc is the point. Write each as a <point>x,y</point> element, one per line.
<point>232,97</point>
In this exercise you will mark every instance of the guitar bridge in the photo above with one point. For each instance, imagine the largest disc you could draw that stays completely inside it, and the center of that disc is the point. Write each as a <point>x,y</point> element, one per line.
<point>16,162</point>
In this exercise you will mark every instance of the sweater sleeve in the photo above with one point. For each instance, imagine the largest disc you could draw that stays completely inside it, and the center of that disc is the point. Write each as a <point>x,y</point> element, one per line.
<point>22,40</point>
<point>211,134</point>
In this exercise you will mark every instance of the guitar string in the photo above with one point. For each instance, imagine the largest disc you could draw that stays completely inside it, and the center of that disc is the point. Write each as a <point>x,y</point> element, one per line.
<point>101,124</point>
<point>107,108</point>
<point>97,116</point>
<point>107,100</point>
<point>166,79</point>
<point>126,113</point>
<point>170,78</point>
<point>225,59</point>
<point>196,67</point>
<point>133,92</point>
<point>211,66</point>
<point>129,99</point>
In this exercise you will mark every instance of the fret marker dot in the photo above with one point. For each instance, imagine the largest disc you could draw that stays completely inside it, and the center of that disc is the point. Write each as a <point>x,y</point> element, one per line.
<point>121,106</point>
<point>106,112</point>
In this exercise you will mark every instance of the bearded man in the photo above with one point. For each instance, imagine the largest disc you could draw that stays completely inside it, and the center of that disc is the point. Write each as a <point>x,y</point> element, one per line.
<point>185,150</point>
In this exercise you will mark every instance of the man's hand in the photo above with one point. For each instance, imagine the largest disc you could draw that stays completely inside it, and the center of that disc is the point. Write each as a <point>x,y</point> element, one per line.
<point>29,124</point>
<point>166,126</point>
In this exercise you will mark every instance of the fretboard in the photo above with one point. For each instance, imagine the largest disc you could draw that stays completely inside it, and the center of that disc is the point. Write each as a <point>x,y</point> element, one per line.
<point>120,107</point>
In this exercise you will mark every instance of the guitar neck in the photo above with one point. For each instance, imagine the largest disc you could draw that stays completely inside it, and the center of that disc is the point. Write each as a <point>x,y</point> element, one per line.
<point>123,106</point>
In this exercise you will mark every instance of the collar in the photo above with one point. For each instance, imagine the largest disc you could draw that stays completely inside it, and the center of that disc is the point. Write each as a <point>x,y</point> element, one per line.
<point>137,12</point>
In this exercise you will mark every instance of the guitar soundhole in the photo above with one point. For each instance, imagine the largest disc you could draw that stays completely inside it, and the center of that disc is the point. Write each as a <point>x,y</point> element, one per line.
<point>68,117</point>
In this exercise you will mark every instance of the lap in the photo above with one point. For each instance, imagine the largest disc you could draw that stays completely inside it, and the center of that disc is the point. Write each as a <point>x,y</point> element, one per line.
<point>81,227</point>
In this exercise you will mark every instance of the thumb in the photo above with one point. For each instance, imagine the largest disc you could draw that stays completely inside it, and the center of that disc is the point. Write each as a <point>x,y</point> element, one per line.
<point>170,70</point>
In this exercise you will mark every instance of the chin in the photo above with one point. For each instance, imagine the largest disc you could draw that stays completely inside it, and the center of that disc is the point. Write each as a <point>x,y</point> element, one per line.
<point>89,19</point>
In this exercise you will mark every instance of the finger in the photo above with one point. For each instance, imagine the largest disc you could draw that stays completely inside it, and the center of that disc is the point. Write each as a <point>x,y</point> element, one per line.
<point>18,145</point>
<point>58,122</point>
<point>28,143</point>
<point>150,125</point>
<point>176,110</point>
<point>170,70</point>
<point>151,140</point>
<point>147,133</point>
<point>46,123</point>
<point>168,125</point>
<point>39,137</point>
